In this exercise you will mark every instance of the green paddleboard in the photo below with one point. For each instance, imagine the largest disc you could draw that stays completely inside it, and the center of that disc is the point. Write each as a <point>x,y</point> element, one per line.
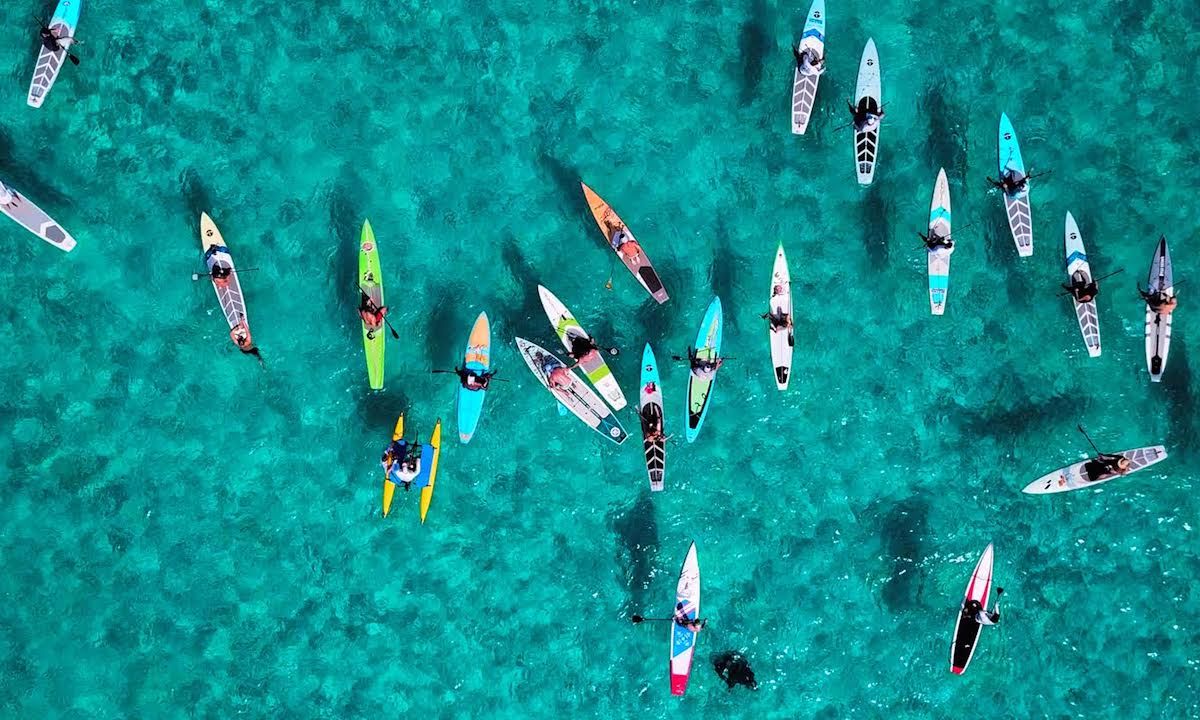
<point>371,281</point>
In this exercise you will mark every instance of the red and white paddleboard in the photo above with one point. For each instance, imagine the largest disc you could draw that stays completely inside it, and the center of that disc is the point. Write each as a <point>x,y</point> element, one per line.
<point>683,640</point>
<point>966,629</point>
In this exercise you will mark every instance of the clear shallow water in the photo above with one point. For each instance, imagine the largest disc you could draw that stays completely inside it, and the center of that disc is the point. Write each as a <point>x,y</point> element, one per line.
<point>186,533</point>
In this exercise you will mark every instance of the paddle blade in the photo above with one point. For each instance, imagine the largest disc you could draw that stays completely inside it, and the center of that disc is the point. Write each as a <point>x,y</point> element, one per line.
<point>636,619</point>
<point>74,60</point>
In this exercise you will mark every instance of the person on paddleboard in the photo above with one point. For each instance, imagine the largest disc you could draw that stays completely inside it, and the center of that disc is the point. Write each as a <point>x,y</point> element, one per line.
<point>583,349</point>
<point>867,115</point>
<point>1104,467</point>
<point>1082,288</point>
<point>371,314</point>
<point>778,319</point>
<point>975,610</point>
<point>621,241</point>
<point>682,620</point>
<point>933,241</point>
<point>1012,182</point>
<point>808,62</point>
<point>558,377</point>
<point>652,419</point>
<point>704,369</point>
<point>734,669</point>
<point>240,335</point>
<point>473,381</point>
<point>1159,302</point>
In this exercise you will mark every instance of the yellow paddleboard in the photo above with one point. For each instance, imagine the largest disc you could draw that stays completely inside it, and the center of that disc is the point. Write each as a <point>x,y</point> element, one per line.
<point>435,442</point>
<point>389,487</point>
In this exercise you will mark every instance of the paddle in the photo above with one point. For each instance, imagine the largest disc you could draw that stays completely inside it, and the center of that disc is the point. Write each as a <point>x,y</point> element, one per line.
<point>635,619</point>
<point>681,359</point>
<point>1089,439</point>
<point>1097,280</point>
<point>45,31</point>
<point>196,276</point>
<point>373,306</point>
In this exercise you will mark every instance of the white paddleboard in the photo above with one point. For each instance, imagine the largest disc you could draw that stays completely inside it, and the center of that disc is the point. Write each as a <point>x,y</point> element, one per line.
<point>782,339</point>
<point>1158,326</point>
<point>966,629</point>
<point>1073,477</point>
<point>1078,267</point>
<point>939,259</point>
<point>35,220</point>
<point>683,640</point>
<point>566,327</point>
<point>804,87</point>
<point>866,143</point>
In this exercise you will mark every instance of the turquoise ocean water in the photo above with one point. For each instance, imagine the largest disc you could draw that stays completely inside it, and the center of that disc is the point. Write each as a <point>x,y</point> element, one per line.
<point>186,535</point>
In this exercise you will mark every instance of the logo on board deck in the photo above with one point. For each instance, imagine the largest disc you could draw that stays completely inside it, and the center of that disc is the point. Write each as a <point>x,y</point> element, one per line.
<point>1008,136</point>
<point>367,247</point>
<point>615,432</point>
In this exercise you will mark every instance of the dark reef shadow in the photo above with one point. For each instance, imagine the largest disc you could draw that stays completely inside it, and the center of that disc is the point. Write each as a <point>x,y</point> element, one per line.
<point>946,145</point>
<point>903,530</point>
<point>345,223</point>
<point>754,41</point>
<point>637,537</point>
<point>1177,385</point>
<point>444,325</point>
<point>877,226</point>
<point>723,278</point>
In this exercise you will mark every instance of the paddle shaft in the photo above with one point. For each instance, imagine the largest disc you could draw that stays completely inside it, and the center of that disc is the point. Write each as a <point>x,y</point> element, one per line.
<point>385,320</point>
<point>1079,427</point>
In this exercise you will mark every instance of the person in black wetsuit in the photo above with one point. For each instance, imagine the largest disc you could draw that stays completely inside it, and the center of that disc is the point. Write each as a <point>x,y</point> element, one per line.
<point>867,115</point>
<point>1105,467</point>
<point>1082,288</point>
<point>975,610</point>
<point>933,241</point>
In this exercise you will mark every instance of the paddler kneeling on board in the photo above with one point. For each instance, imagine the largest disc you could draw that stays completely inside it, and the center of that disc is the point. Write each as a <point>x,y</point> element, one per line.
<point>652,419</point>
<point>473,381</point>
<point>704,369</point>
<point>933,241</point>
<point>1159,302</point>
<point>583,349</point>
<point>867,115</point>
<point>371,314</point>
<point>778,319</point>
<point>808,62</point>
<point>975,610</point>
<point>682,620</point>
<point>622,242</point>
<point>1083,289</point>
<point>1012,182</point>
<point>1105,467</point>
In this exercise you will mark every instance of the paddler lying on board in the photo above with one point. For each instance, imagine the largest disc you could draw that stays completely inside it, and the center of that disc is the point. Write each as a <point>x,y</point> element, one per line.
<point>1104,467</point>
<point>975,610</point>
<point>558,377</point>
<point>472,380</point>
<point>934,241</point>
<point>1082,288</point>
<point>1012,182</point>
<point>704,369</point>
<point>621,241</point>
<point>240,335</point>
<point>1159,302</point>
<point>402,462</point>
<point>867,115</point>
<point>808,62</point>
<point>371,314</point>
<point>682,620</point>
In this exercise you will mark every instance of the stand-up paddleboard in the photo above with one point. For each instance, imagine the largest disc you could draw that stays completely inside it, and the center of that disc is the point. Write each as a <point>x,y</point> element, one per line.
<point>1158,325</point>
<point>708,347</point>
<point>782,339</point>
<point>939,259</point>
<point>804,87</point>
<point>435,444</point>
<point>610,223</point>
<point>233,305</point>
<point>370,280</point>
<point>49,62</point>
<point>867,96</point>
<point>477,360</point>
<point>683,640</point>
<point>567,328</point>
<point>1075,477</point>
<point>32,218</point>
<point>389,487</point>
<point>576,397</point>
<point>650,410</point>
<point>1020,220</point>
<point>1080,271</point>
<point>966,630</point>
